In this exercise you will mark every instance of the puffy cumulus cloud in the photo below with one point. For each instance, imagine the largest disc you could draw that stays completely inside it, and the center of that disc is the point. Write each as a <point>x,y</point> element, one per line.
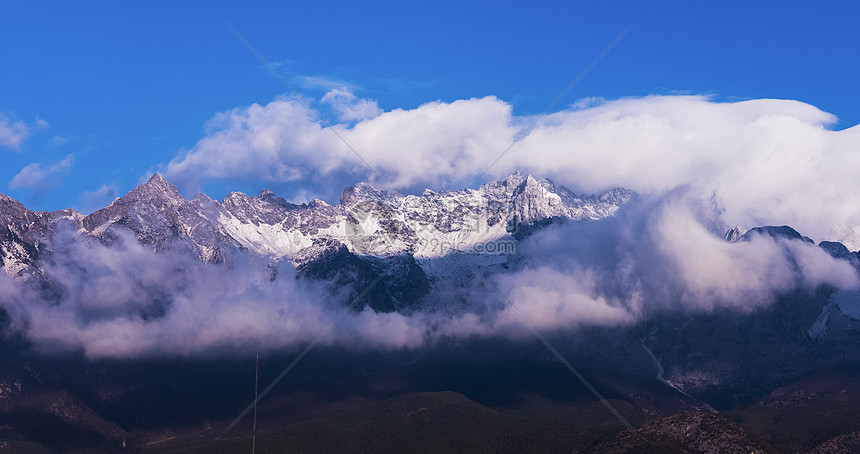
<point>13,133</point>
<point>42,177</point>
<point>436,144</point>
<point>764,161</point>
<point>282,141</point>
<point>279,142</point>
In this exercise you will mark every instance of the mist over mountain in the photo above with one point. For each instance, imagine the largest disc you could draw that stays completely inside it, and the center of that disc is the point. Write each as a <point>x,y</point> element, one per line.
<point>157,274</point>
<point>459,228</point>
<point>158,265</point>
<point>650,286</point>
<point>762,161</point>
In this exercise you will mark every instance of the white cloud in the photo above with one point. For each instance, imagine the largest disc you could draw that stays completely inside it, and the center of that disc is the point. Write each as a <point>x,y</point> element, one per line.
<point>283,141</point>
<point>700,164</point>
<point>764,161</point>
<point>280,141</point>
<point>350,108</point>
<point>124,300</point>
<point>12,133</point>
<point>42,178</point>
<point>554,299</point>
<point>658,256</point>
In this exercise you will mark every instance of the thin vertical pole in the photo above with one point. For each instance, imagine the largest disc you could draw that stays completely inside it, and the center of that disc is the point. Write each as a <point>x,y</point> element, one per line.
<point>256,381</point>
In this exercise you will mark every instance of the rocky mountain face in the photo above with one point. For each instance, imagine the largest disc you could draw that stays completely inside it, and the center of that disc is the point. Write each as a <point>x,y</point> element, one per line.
<point>23,233</point>
<point>730,357</point>
<point>689,432</point>
<point>410,245</point>
<point>371,232</point>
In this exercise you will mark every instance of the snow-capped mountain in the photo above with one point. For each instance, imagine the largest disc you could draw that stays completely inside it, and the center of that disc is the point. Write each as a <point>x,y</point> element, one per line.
<point>371,231</point>
<point>368,220</point>
<point>23,233</point>
<point>395,250</point>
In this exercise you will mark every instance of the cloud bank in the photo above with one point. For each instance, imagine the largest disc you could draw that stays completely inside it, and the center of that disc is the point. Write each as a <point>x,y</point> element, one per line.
<point>662,256</point>
<point>657,256</point>
<point>698,164</point>
<point>763,161</point>
<point>124,300</point>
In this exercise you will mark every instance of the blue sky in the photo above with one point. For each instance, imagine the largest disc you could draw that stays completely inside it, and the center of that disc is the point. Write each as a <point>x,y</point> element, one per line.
<point>109,92</point>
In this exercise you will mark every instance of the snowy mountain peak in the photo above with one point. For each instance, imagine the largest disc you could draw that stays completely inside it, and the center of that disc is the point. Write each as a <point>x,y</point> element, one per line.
<point>369,226</point>
<point>156,181</point>
<point>366,192</point>
<point>735,234</point>
<point>776,231</point>
<point>849,236</point>
<point>529,185</point>
<point>156,178</point>
<point>9,205</point>
<point>266,195</point>
<point>318,203</point>
<point>202,198</point>
<point>425,239</point>
<point>505,187</point>
<point>157,191</point>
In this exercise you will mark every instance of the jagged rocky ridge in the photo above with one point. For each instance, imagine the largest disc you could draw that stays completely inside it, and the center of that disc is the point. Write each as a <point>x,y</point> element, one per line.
<point>372,231</point>
<point>415,242</point>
